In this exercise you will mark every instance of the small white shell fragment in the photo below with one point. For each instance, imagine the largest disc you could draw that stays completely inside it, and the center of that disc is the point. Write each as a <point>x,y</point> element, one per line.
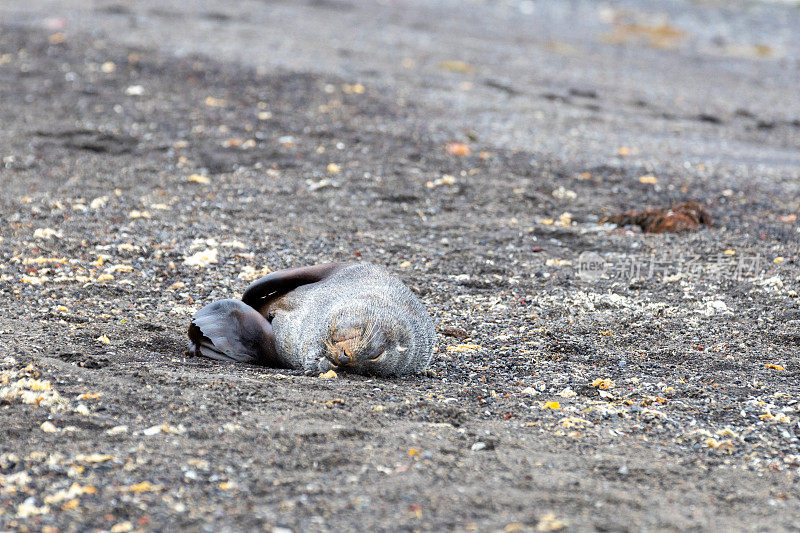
<point>202,259</point>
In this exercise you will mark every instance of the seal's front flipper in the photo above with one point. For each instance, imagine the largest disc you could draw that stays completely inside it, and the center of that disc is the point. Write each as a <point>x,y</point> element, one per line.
<point>229,330</point>
<point>319,366</point>
<point>259,294</point>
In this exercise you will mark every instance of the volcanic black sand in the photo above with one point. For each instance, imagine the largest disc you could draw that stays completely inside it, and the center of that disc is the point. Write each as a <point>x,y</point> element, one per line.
<point>157,156</point>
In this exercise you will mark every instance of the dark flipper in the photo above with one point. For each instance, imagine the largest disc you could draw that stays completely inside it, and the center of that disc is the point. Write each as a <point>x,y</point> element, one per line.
<point>262,291</point>
<point>229,330</point>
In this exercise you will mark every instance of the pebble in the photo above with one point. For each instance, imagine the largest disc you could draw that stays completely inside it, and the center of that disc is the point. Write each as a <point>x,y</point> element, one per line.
<point>478,446</point>
<point>154,430</point>
<point>568,393</point>
<point>134,90</point>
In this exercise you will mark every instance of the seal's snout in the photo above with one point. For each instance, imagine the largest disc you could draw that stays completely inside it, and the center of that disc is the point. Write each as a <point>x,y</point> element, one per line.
<point>344,358</point>
<point>343,352</point>
<point>345,345</point>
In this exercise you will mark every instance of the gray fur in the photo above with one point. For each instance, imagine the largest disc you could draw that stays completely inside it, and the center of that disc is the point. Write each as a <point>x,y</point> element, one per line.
<point>303,320</point>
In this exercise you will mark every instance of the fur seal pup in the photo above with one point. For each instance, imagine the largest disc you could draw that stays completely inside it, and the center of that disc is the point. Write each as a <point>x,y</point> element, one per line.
<point>355,317</point>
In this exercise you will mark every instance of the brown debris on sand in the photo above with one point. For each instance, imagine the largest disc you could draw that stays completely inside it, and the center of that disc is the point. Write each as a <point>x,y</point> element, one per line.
<point>685,216</point>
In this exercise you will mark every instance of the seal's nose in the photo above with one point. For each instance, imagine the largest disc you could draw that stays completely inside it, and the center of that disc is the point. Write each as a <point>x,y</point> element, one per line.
<point>343,352</point>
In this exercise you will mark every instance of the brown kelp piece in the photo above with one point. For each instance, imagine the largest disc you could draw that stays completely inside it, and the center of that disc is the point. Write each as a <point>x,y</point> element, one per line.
<point>685,216</point>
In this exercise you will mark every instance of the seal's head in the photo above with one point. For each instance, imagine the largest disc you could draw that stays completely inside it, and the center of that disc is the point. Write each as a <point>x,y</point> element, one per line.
<point>367,338</point>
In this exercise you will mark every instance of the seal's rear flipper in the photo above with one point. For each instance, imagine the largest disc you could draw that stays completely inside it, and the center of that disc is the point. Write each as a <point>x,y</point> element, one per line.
<point>229,330</point>
<point>262,291</point>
